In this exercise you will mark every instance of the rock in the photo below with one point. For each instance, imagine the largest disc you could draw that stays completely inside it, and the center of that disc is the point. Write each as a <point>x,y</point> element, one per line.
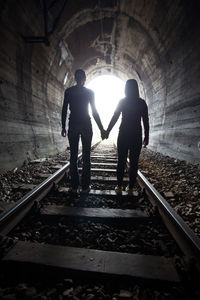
<point>42,298</point>
<point>39,160</point>
<point>68,283</point>
<point>63,189</point>
<point>122,247</point>
<point>67,293</point>
<point>52,292</point>
<point>196,193</point>
<point>27,187</point>
<point>125,294</point>
<point>100,293</point>
<point>168,195</point>
<point>15,170</point>
<point>172,199</point>
<point>78,290</point>
<point>30,293</point>
<point>90,297</point>
<point>16,186</point>
<point>79,242</point>
<point>21,287</point>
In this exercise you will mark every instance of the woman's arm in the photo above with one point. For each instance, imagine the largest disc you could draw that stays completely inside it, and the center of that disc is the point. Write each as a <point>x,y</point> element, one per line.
<point>114,118</point>
<point>145,120</point>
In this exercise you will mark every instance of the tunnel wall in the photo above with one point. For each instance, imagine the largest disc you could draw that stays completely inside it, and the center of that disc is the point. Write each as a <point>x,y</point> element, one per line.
<point>30,92</point>
<point>173,90</point>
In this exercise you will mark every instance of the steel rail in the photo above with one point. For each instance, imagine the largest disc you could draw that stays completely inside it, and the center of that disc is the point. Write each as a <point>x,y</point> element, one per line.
<point>186,239</point>
<point>14,215</point>
<point>188,242</point>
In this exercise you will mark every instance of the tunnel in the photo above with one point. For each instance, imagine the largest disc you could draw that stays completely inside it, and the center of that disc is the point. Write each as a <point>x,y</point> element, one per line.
<point>44,42</point>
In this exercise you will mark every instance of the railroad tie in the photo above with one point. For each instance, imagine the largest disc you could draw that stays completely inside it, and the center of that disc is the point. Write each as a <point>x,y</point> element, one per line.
<point>103,193</point>
<point>107,179</point>
<point>100,213</point>
<point>92,261</point>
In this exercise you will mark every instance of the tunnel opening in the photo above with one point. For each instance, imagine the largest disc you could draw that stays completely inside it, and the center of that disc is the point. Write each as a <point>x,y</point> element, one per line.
<point>108,91</point>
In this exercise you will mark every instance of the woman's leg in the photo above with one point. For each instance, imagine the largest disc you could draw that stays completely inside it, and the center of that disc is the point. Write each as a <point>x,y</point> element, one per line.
<point>135,150</point>
<point>122,150</point>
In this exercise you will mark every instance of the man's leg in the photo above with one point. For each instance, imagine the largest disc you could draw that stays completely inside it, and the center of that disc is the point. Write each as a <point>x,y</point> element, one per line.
<point>73,136</point>
<point>122,151</point>
<point>86,138</point>
<point>135,150</point>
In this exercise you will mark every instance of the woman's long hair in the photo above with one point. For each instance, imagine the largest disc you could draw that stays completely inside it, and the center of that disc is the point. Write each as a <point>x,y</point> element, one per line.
<point>131,89</point>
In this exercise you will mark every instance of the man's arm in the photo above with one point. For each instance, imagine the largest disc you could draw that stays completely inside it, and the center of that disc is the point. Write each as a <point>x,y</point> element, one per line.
<point>95,112</point>
<point>145,119</point>
<point>64,113</point>
<point>96,115</point>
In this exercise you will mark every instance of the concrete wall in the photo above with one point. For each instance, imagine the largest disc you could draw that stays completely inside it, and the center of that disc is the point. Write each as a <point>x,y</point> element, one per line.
<point>175,101</point>
<point>30,93</point>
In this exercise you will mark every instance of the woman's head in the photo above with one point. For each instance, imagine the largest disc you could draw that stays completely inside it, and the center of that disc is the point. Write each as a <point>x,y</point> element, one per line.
<point>131,88</point>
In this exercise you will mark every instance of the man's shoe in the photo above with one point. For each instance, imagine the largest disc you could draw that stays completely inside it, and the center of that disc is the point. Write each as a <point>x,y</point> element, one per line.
<point>129,191</point>
<point>118,190</point>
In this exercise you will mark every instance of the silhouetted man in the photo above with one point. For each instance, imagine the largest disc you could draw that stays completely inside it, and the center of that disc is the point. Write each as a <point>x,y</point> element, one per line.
<point>134,110</point>
<point>78,99</point>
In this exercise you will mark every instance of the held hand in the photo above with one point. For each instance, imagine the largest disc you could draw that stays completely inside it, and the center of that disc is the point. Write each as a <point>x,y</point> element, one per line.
<point>103,134</point>
<point>63,132</point>
<point>145,142</point>
<point>107,134</point>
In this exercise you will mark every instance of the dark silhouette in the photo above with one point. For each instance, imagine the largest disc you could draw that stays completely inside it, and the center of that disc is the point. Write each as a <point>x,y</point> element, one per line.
<point>78,99</point>
<point>133,109</point>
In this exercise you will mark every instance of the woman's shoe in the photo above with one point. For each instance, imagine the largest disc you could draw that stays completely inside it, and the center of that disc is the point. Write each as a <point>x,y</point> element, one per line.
<point>118,190</point>
<point>85,191</point>
<point>73,191</point>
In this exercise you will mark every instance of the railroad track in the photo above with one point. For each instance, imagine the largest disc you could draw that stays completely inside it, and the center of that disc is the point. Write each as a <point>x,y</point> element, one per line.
<point>98,233</point>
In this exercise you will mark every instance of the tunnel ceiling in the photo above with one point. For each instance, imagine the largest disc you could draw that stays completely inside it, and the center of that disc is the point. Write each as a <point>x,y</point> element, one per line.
<point>126,38</point>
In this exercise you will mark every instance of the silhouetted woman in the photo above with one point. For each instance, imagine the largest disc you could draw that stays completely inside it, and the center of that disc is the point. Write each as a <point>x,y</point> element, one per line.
<point>134,110</point>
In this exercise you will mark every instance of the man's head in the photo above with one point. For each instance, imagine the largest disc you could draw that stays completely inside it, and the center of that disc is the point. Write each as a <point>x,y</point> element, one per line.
<point>131,88</point>
<point>80,77</point>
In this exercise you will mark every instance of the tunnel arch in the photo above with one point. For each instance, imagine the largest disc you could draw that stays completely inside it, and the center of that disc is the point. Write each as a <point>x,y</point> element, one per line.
<point>86,18</point>
<point>155,42</point>
<point>130,67</point>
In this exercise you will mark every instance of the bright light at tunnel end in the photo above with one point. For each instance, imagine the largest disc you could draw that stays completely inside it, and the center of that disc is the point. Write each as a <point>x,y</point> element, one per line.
<point>108,91</point>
